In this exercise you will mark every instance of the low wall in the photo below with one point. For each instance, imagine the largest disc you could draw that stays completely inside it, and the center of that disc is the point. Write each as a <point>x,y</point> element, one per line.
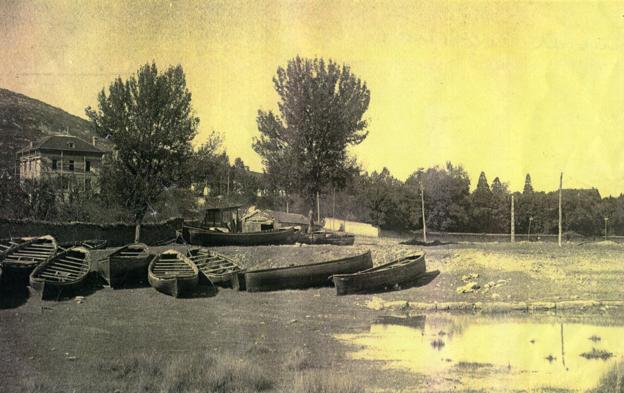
<point>116,234</point>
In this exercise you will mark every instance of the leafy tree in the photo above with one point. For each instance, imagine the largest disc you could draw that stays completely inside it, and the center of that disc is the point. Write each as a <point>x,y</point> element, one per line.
<point>321,107</point>
<point>149,119</point>
<point>482,206</point>
<point>207,161</point>
<point>447,192</point>
<point>500,207</point>
<point>528,187</point>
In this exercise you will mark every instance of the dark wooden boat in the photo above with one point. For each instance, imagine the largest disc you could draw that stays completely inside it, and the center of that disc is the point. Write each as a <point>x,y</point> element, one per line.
<point>381,277</point>
<point>173,273</point>
<point>94,244</point>
<point>21,256</point>
<point>217,268</point>
<point>304,276</point>
<point>126,265</point>
<point>208,237</point>
<point>327,237</point>
<point>67,270</point>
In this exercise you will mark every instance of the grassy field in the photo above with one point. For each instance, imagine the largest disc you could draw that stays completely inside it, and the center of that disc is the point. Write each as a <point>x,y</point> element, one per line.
<point>138,340</point>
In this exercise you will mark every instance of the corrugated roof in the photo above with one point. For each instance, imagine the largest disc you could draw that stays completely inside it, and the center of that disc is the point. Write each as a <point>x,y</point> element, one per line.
<point>62,143</point>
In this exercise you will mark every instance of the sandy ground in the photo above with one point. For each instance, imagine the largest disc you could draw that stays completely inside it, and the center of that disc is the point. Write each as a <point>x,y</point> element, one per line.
<point>64,342</point>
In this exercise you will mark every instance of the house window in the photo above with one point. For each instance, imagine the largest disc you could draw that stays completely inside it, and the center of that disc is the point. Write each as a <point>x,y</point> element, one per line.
<point>71,145</point>
<point>54,165</point>
<point>87,166</point>
<point>71,165</point>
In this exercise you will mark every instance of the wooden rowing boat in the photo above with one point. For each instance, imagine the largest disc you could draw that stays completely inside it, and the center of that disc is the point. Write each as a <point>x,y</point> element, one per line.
<point>327,237</point>
<point>94,244</point>
<point>208,237</point>
<point>382,277</point>
<point>304,276</point>
<point>66,270</point>
<point>173,273</point>
<point>21,256</point>
<point>126,265</point>
<point>215,267</point>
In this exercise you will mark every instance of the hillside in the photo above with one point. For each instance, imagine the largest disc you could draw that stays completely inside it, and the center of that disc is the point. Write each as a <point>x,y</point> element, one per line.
<point>24,119</point>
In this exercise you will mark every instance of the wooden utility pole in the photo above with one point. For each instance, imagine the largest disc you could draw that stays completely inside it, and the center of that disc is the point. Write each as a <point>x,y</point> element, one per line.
<point>318,208</point>
<point>513,221</point>
<point>422,205</point>
<point>333,208</point>
<point>560,215</point>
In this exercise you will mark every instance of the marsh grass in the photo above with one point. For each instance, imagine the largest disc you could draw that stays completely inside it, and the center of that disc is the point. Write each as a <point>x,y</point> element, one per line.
<point>437,343</point>
<point>612,381</point>
<point>154,373</point>
<point>327,382</point>
<point>298,359</point>
<point>473,365</point>
<point>597,354</point>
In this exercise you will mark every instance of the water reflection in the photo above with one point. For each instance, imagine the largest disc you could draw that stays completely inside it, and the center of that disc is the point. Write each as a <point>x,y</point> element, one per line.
<point>496,353</point>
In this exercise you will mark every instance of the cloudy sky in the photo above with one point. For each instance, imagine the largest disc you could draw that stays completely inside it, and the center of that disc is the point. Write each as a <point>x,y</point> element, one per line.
<point>506,88</point>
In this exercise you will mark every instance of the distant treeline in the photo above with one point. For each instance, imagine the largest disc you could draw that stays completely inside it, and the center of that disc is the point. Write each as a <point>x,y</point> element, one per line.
<point>377,198</point>
<point>383,200</point>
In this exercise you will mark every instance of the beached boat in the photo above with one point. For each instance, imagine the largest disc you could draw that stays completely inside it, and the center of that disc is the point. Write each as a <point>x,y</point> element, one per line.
<point>304,276</point>
<point>66,270</point>
<point>209,237</point>
<point>22,255</point>
<point>327,237</point>
<point>94,244</point>
<point>126,265</point>
<point>217,268</point>
<point>386,276</point>
<point>173,273</point>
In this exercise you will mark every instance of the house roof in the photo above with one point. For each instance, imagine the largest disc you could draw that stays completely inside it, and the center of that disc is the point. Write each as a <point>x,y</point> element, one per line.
<point>62,143</point>
<point>290,218</point>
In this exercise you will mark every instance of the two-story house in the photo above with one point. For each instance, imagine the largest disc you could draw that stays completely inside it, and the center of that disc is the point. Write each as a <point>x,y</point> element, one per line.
<point>67,159</point>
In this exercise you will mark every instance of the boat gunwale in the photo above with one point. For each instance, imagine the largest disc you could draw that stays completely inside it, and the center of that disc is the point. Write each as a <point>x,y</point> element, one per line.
<point>83,274</point>
<point>182,258</point>
<point>144,255</point>
<point>378,269</point>
<point>27,241</point>
<point>241,234</point>
<point>298,267</point>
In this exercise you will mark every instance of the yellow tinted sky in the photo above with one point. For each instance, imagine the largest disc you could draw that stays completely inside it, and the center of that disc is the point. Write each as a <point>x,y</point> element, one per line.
<point>507,88</point>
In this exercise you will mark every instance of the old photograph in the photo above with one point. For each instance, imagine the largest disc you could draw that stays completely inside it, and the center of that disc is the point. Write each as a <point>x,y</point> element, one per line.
<point>311,196</point>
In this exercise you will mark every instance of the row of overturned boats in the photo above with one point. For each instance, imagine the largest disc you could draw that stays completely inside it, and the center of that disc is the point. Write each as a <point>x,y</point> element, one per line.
<point>52,268</point>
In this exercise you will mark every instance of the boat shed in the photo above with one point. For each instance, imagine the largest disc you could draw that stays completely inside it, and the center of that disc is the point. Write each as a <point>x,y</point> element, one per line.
<point>222,215</point>
<point>264,220</point>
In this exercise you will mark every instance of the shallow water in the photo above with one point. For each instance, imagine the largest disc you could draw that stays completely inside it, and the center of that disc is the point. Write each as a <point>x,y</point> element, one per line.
<point>494,353</point>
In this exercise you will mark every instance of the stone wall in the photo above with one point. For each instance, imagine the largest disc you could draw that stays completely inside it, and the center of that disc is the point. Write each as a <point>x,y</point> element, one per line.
<point>116,234</point>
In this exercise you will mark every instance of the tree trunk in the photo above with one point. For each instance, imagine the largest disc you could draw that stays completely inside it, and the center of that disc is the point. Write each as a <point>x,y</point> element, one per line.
<point>137,230</point>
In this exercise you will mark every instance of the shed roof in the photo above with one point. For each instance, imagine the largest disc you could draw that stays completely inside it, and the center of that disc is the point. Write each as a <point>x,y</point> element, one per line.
<point>62,143</point>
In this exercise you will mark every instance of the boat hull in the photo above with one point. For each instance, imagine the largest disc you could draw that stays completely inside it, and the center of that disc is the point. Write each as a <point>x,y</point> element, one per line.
<point>304,276</point>
<point>57,275</point>
<point>204,237</point>
<point>126,266</point>
<point>173,274</point>
<point>176,287</point>
<point>20,259</point>
<point>214,267</point>
<point>333,238</point>
<point>380,278</point>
